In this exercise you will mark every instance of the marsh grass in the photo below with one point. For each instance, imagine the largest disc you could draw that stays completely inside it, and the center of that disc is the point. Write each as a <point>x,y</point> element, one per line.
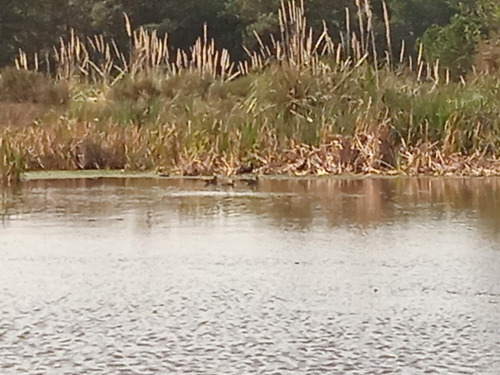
<point>18,115</point>
<point>301,105</point>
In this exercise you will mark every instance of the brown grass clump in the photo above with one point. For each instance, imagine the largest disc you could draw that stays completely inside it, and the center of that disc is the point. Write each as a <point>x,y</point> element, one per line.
<point>488,57</point>
<point>21,86</point>
<point>18,115</point>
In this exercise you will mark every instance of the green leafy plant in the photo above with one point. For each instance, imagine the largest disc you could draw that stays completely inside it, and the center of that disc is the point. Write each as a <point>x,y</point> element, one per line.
<point>454,45</point>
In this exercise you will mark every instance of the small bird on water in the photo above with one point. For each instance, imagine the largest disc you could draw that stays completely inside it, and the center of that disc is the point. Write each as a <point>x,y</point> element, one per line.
<point>211,181</point>
<point>243,169</point>
<point>217,181</point>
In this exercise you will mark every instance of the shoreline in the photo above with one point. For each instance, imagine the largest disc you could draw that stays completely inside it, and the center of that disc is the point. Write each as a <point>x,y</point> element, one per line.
<point>121,174</point>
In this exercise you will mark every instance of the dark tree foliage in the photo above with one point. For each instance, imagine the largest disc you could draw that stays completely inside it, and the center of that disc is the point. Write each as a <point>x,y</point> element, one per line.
<point>411,18</point>
<point>455,43</point>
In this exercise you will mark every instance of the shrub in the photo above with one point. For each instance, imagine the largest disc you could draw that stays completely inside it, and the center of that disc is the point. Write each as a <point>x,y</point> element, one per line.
<point>454,45</point>
<point>30,86</point>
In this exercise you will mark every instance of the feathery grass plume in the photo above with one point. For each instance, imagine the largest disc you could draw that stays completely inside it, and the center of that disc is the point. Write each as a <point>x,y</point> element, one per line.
<point>388,51</point>
<point>361,26</point>
<point>347,42</point>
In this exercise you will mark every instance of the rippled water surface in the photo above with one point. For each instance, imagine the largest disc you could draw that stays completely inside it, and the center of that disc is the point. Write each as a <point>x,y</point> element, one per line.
<point>328,276</point>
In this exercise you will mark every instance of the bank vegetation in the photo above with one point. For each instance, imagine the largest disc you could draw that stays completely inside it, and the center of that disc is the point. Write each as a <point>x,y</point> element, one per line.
<point>300,104</point>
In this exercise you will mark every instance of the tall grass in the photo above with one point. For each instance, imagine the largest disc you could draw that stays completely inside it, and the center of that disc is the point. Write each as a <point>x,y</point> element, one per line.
<point>300,104</point>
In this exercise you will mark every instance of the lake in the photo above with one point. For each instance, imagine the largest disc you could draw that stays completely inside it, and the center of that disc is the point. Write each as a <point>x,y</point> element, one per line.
<point>292,276</point>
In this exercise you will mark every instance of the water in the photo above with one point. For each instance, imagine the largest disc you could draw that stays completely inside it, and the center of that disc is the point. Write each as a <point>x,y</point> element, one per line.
<point>328,276</point>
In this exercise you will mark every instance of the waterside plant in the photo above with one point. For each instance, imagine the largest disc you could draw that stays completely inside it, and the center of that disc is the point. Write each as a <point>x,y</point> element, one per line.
<point>299,105</point>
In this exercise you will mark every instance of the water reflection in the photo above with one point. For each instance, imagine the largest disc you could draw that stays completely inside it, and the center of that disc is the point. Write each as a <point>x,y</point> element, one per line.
<point>292,204</point>
<point>357,276</point>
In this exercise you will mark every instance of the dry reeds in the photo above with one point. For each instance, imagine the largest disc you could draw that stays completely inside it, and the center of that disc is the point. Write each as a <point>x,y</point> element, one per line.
<point>72,145</point>
<point>98,59</point>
